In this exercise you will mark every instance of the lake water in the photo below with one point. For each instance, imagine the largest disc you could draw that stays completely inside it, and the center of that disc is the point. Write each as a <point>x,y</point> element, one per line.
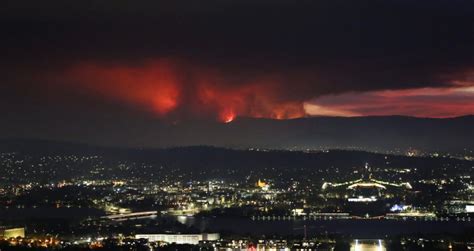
<point>48,213</point>
<point>370,229</point>
<point>364,228</point>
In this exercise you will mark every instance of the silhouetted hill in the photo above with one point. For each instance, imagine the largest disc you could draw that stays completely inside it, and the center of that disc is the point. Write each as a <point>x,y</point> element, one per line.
<point>383,134</point>
<point>44,161</point>
<point>364,133</point>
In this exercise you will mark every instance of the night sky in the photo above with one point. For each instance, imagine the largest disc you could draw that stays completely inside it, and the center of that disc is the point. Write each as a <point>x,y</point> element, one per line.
<point>82,67</point>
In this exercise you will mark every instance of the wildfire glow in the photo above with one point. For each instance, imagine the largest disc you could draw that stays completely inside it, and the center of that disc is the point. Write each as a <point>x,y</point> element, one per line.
<point>155,87</point>
<point>166,88</point>
<point>174,90</point>
<point>228,117</point>
<point>421,102</point>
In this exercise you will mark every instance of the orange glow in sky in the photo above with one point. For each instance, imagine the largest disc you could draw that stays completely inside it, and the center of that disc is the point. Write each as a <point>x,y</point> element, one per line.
<point>228,117</point>
<point>168,89</point>
<point>163,88</point>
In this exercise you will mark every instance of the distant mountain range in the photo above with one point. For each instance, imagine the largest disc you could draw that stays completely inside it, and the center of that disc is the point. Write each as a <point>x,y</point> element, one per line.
<point>382,134</point>
<point>385,133</point>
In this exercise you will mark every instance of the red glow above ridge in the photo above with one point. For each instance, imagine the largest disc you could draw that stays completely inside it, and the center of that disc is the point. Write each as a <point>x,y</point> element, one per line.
<point>164,88</point>
<point>170,89</point>
<point>154,87</point>
<point>421,102</point>
<point>228,117</point>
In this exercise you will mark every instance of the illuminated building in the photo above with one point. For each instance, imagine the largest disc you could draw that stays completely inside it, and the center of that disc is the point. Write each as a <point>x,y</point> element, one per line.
<point>193,239</point>
<point>469,208</point>
<point>132,216</point>
<point>368,245</point>
<point>366,181</point>
<point>8,233</point>
<point>366,196</point>
<point>263,185</point>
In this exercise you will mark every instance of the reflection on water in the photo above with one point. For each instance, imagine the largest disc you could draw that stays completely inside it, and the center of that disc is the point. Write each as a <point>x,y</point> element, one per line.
<point>362,229</point>
<point>368,245</point>
<point>183,219</point>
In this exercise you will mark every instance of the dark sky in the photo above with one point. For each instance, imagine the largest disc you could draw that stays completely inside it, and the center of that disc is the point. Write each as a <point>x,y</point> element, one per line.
<point>79,67</point>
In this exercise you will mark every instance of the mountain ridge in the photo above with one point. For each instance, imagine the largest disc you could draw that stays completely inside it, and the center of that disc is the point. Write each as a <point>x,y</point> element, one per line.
<point>371,133</point>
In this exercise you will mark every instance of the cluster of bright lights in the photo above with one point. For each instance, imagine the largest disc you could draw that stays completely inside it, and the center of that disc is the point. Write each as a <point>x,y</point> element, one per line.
<point>362,247</point>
